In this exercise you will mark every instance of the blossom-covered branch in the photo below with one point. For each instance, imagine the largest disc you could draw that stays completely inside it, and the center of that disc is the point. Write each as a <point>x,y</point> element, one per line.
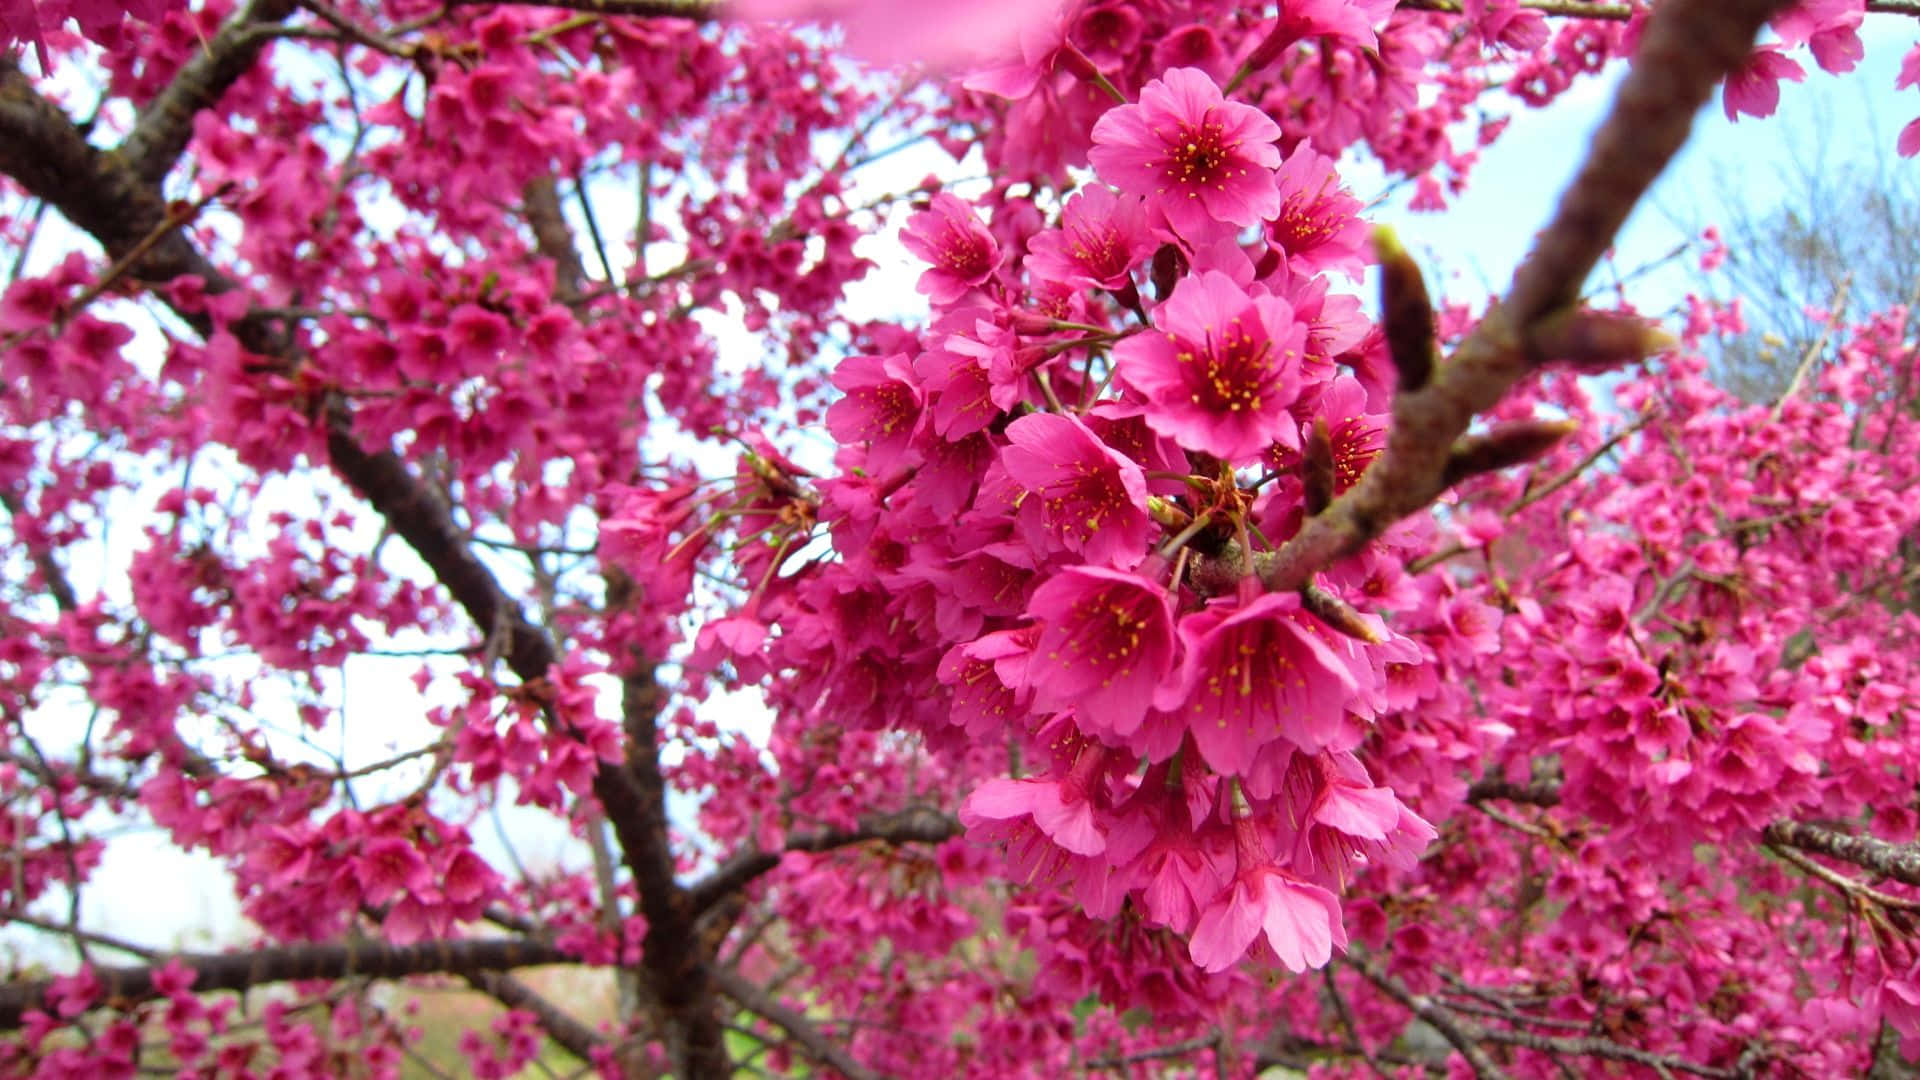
<point>166,122</point>
<point>1687,49</point>
<point>815,1042</point>
<point>913,825</point>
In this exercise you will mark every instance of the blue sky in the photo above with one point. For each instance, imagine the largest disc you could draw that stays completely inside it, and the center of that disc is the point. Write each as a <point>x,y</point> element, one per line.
<point>1482,237</point>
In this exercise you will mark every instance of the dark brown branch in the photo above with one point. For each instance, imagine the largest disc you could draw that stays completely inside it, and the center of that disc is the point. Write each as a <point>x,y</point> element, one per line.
<point>678,968</point>
<point>578,1039</point>
<point>919,824</point>
<point>166,123</point>
<point>47,773</point>
<point>240,971</point>
<point>1688,47</point>
<point>42,150</point>
<point>1468,1036</point>
<point>797,1026</point>
<point>1463,1034</point>
<point>1157,1053</point>
<point>1897,862</point>
<point>553,238</point>
<point>1535,793</point>
<point>1605,1050</point>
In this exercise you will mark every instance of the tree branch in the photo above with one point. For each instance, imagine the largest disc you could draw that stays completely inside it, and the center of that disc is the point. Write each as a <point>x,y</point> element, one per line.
<point>51,574</point>
<point>1899,862</point>
<point>1535,793</point>
<point>1687,48</point>
<point>1464,1035</point>
<point>41,147</point>
<point>578,1039</point>
<point>166,123</point>
<point>553,238</point>
<point>240,971</point>
<point>42,150</point>
<point>817,1045</point>
<point>913,825</point>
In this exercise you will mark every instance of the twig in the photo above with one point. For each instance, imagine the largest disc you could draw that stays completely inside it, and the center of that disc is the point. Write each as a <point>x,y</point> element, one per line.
<point>1561,480</point>
<point>1837,310</point>
<point>1464,1035</point>
<point>797,1026</point>
<point>912,825</point>
<point>1846,885</point>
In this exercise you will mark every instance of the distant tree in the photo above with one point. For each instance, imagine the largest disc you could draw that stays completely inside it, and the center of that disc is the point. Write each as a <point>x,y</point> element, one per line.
<point>1848,213</point>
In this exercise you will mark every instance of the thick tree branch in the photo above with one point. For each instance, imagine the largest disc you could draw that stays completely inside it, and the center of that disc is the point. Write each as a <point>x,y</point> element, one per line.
<point>166,123</point>
<point>918,824</point>
<point>1688,47</point>
<point>42,150</point>
<point>240,971</point>
<point>678,970</point>
<point>1898,862</point>
<point>798,1027</point>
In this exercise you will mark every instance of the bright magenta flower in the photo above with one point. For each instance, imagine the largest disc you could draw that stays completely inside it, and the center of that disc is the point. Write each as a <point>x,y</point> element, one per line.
<point>1106,641</point>
<point>1301,921</point>
<point>1198,157</point>
<point>1091,499</point>
<point>882,406</point>
<point>1100,240</point>
<point>1221,368</point>
<point>1254,676</point>
<point>961,254</point>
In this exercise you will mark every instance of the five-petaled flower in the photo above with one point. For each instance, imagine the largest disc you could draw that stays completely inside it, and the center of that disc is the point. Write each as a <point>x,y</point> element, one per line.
<point>959,251</point>
<point>1199,158</point>
<point>1106,641</point>
<point>1089,498</point>
<point>1254,675</point>
<point>1221,368</point>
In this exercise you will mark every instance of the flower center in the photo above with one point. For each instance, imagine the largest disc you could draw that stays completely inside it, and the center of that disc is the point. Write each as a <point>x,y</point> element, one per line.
<point>1199,156</point>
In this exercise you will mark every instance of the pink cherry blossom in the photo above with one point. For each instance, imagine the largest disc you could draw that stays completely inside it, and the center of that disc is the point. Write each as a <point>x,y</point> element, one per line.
<point>961,254</point>
<point>1106,641</point>
<point>1101,240</point>
<point>1256,674</point>
<point>1198,157</point>
<point>1091,499</point>
<point>1220,368</point>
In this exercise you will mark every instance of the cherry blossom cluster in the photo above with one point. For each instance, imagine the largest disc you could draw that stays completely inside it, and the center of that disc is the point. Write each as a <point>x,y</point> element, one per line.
<point>406,350</point>
<point>1117,417</point>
